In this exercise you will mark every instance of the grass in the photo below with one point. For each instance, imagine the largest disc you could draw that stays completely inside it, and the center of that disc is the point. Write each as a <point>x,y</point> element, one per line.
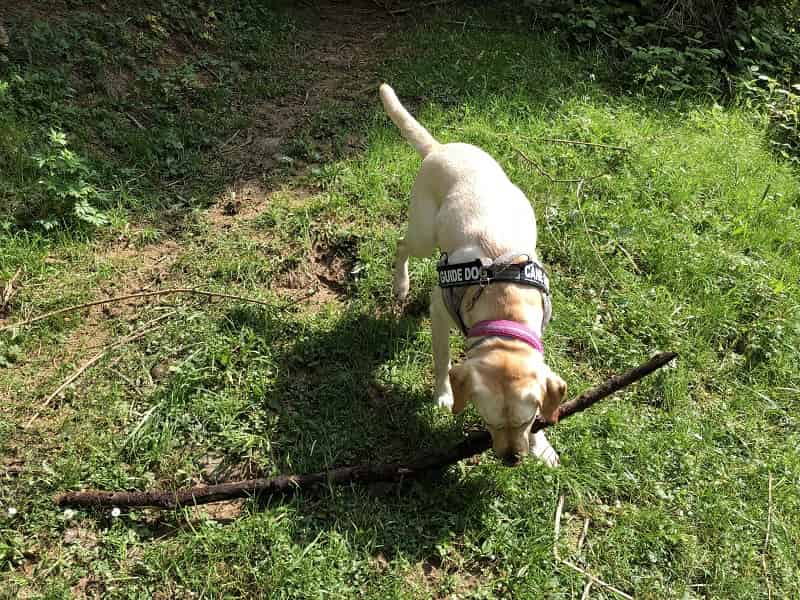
<point>687,241</point>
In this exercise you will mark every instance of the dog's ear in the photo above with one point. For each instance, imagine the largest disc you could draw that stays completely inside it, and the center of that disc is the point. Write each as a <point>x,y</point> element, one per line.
<point>461,383</point>
<point>555,389</point>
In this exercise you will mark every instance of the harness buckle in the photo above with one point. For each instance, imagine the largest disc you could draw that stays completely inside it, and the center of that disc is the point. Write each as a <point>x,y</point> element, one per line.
<point>485,277</point>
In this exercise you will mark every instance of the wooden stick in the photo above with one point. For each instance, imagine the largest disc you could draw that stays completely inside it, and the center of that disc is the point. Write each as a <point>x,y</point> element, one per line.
<point>150,326</point>
<point>140,295</point>
<point>595,579</point>
<point>581,143</point>
<point>135,121</point>
<point>465,24</point>
<point>585,530</point>
<point>557,525</point>
<point>474,443</point>
<point>587,588</point>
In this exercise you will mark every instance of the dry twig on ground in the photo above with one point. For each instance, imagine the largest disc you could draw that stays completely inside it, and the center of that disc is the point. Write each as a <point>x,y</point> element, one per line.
<point>9,291</point>
<point>400,11</point>
<point>547,175</point>
<point>582,143</point>
<point>165,292</point>
<point>571,565</point>
<point>148,327</point>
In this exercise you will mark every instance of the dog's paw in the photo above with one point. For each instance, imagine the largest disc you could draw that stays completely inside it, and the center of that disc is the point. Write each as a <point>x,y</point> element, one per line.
<point>541,449</point>
<point>445,401</point>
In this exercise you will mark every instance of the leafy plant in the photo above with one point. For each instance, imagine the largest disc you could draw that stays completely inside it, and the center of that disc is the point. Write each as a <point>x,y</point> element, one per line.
<point>782,102</point>
<point>682,46</point>
<point>64,179</point>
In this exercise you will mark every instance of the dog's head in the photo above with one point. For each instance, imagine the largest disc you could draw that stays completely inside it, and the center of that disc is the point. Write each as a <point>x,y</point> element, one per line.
<point>510,384</point>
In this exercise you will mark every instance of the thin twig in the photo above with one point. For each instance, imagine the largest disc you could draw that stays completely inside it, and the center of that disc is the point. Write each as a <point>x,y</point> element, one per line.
<point>582,538</point>
<point>766,541</point>
<point>400,11</point>
<point>370,89</point>
<point>138,295</point>
<point>582,143</point>
<point>628,256</point>
<point>230,139</point>
<point>556,531</point>
<point>135,122</point>
<point>247,141</point>
<point>557,526</point>
<point>383,7</point>
<point>550,178</point>
<point>83,368</point>
<point>465,24</point>
<point>9,291</point>
<point>212,71</point>
<point>587,588</point>
<point>595,579</point>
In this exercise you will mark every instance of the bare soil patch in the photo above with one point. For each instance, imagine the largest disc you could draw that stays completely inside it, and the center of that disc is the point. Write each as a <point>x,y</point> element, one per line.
<point>328,270</point>
<point>342,67</point>
<point>431,573</point>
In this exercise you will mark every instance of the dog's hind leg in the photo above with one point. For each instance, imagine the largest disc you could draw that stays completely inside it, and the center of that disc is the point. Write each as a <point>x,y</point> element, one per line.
<point>401,284</point>
<point>419,240</point>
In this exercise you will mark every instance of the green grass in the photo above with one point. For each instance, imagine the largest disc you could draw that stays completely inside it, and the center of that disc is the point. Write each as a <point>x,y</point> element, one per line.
<point>688,241</point>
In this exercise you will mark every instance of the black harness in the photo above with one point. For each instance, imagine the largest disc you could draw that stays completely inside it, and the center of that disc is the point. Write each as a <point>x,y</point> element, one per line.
<point>455,278</point>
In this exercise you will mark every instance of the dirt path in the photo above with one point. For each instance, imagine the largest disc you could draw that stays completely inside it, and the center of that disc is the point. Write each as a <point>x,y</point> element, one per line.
<point>339,58</point>
<point>340,66</point>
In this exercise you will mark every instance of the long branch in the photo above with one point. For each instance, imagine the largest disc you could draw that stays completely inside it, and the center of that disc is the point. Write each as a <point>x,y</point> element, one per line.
<point>474,443</point>
<point>164,292</point>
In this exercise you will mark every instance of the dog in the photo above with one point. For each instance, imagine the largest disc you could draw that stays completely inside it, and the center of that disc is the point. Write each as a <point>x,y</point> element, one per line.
<point>491,287</point>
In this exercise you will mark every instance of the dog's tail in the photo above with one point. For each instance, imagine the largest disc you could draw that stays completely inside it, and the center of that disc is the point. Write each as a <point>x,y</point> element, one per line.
<point>416,134</point>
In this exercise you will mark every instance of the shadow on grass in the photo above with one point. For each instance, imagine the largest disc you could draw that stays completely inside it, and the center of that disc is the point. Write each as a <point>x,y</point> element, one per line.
<point>335,398</point>
<point>342,401</point>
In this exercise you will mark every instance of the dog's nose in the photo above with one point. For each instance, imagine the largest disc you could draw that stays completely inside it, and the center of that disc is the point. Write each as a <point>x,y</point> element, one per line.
<point>511,459</point>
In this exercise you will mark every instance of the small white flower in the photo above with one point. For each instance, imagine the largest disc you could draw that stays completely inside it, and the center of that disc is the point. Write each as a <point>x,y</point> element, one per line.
<point>69,513</point>
<point>12,511</point>
<point>115,512</point>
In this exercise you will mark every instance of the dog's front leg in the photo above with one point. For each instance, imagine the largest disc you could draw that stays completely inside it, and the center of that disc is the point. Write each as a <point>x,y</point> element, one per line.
<point>440,338</point>
<point>541,449</point>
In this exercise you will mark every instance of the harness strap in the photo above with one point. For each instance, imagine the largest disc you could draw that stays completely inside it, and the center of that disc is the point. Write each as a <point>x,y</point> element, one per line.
<point>454,279</point>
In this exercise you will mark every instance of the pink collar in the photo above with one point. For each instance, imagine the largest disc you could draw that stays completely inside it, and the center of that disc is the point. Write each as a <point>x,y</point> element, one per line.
<point>510,329</point>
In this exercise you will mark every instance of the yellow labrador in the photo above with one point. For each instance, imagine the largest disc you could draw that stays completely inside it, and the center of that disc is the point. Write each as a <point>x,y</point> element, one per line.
<point>491,286</point>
